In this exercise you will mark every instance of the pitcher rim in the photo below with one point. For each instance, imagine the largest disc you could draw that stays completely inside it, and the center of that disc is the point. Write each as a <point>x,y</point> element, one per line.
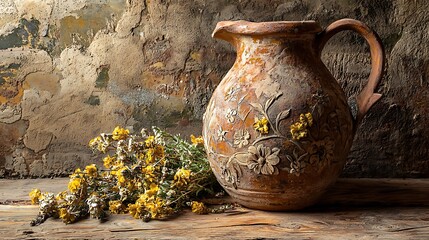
<point>244,27</point>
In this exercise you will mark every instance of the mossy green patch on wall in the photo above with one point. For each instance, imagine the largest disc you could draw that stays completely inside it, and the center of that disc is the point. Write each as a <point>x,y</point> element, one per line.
<point>26,34</point>
<point>163,113</point>
<point>93,100</point>
<point>103,77</point>
<point>7,72</point>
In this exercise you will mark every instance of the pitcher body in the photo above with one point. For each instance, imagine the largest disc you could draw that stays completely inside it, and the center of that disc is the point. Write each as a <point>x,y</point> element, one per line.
<point>278,127</point>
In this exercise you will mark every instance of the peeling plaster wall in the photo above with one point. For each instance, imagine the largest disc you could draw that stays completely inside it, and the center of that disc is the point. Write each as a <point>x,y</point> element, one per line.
<point>70,69</point>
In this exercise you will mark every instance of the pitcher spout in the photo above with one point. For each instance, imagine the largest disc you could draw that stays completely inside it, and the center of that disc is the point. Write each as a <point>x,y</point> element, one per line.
<point>224,31</point>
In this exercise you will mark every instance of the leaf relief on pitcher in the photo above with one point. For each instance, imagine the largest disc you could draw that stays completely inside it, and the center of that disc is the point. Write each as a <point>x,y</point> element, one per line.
<point>264,124</point>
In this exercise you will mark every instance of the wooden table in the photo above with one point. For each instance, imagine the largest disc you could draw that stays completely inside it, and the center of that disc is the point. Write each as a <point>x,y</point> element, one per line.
<point>352,209</point>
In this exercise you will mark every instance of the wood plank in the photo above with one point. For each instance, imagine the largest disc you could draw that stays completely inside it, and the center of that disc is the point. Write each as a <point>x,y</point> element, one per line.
<point>16,190</point>
<point>346,191</point>
<point>385,223</point>
<point>352,209</point>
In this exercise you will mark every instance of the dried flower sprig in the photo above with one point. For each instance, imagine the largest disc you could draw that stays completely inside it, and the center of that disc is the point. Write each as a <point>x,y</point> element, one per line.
<point>150,176</point>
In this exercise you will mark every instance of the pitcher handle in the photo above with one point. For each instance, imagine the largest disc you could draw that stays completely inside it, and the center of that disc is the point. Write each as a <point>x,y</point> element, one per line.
<point>367,97</point>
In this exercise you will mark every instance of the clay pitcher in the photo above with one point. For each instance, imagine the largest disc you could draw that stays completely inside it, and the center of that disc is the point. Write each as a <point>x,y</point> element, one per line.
<point>278,127</point>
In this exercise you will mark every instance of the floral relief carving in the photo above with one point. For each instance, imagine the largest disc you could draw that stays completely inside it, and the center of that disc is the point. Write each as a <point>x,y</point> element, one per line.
<point>297,163</point>
<point>263,159</point>
<point>241,138</point>
<point>308,141</point>
<point>321,151</point>
<point>259,159</point>
<point>230,115</point>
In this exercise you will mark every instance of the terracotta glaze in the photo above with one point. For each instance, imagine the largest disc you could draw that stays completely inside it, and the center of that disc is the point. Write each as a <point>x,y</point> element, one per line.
<point>278,127</point>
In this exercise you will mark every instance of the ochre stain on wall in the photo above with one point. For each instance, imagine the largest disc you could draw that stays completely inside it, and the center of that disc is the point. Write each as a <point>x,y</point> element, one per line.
<point>81,27</point>
<point>11,91</point>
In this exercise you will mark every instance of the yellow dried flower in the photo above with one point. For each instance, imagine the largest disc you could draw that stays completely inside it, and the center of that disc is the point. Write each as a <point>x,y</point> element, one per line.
<point>134,210</point>
<point>150,156</point>
<point>61,195</point>
<point>77,174</point>
<point>140,156</point>
<point>149,174</point>
<point>155,207</point>
<point>300,129</point>
<point>120,133</point>
<point>118,164</point>
<point>142,200</point>
<point>198,207</point>
<point>116,206</point>
<point>182,176</point>
<point>35,195</point>
<point>91,170</point>
<point>66,216</point>
<point>75,184</point>
<point>115,189</point>
<point>122,180</point>
<point>159,151</point>
<point>131,185</point>
<point>261,125</point>
<point>108,161</point>
<point>153,190</point>
<point>150,141</point>
<point>95,141</point>
<point>197,140</point>
<point>139,206</point>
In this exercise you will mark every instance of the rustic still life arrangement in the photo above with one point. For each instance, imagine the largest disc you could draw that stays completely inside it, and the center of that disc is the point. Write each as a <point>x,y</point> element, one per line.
<point>277,132</point>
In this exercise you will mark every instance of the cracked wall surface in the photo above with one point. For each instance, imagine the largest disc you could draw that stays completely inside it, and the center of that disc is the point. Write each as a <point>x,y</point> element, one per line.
<point>71,69</point>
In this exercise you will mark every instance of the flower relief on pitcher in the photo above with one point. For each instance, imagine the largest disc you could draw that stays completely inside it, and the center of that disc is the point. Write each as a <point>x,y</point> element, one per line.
<point>308,141</point>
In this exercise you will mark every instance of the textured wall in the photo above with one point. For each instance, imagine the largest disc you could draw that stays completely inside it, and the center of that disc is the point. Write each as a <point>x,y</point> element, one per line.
<point>70,69</point>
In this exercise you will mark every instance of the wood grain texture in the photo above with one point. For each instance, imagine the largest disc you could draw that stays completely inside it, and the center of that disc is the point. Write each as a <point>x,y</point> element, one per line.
<point>352,209</point>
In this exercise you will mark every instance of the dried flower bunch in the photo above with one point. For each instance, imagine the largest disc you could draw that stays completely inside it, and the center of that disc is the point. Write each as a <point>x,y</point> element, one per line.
<point>148,176</point>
